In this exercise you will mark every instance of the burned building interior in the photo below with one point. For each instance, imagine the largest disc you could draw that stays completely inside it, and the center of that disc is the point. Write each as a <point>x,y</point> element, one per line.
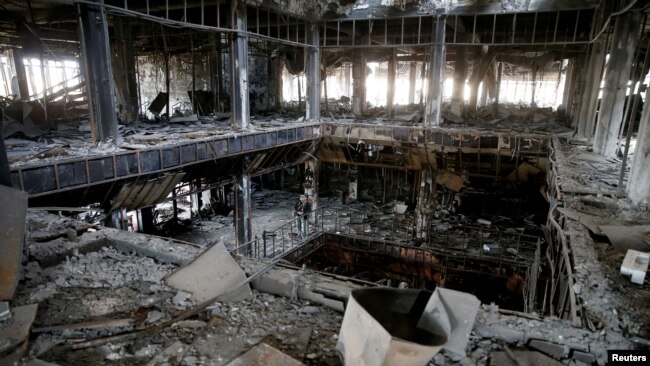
<point>475,173</point>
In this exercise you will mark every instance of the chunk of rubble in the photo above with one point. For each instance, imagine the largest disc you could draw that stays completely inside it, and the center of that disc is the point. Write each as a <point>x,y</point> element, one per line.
<point>635,265</point>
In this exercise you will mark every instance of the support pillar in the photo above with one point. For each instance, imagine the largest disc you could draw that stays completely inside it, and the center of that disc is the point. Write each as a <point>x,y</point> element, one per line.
<point>96,57</point>
<point>638,186</point>
<point>569,85</point>
<point>589,98</point>
<point>390,87</point>
<point>358,82</point>
<point>124,69</point>
<point>436,75</point>
<point>498,89</point>
<point>412,75</point>
<point>460,74</point>
<point>215,66</point>
<point>313,73</point>
<point>243,207</point>
<point>21,76</point>
<point>239,105</point>
<point>617,76</point>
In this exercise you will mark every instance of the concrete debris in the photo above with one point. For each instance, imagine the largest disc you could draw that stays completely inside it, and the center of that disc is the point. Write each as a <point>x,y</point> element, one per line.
<point>635,265</point>
<point>209,275</point>
<point>263,354</point>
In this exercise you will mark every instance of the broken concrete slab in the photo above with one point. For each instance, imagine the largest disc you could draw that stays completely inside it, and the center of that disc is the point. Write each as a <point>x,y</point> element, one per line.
<point>380,327</point>
<point>16,331</point>
<point>635,265</point>
<point>557,351</point>
<point>625,237</point>
<point>12,217</point>
<point>209,275</point>
<point>451,313</point>
<point>263,354</point>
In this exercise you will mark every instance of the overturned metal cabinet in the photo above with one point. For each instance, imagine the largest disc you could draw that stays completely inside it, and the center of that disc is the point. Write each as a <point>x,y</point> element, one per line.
<point>406,327</point>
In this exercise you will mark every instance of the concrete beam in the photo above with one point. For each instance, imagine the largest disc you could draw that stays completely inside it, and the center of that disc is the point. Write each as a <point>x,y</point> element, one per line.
<point>96,57</point>
<point>617,76</point>
<point>239,104</point>
<point>436,75</point>
<point>313,73</point>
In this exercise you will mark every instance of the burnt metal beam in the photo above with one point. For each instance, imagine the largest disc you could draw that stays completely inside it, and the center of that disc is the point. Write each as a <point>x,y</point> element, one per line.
<point>96,56</point>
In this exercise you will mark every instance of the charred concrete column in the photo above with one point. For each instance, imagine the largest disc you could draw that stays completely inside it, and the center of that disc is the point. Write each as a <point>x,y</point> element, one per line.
<point>425,202</point>
<point>436,74</point>
<point>215,72</point>
<point>589,97</point>
<point>617,76</point>
<point>124,69</point>
<point>313,73</point>
<point>412,76</point>
<point>243,206</point>
<point>390,88</point>
<point>358,82</point>
<point>96,57</point>
<point>638,187</point>
<point>460,74</point>
<point>239,105</point>
<point>21,76</point>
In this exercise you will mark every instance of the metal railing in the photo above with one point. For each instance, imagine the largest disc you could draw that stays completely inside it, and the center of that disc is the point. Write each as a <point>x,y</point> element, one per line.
<point>349,222</point>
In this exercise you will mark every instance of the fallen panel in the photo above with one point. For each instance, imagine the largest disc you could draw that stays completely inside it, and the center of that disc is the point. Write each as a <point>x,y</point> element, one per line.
<point>16,331</point>
<point>635,265</point>
<point>12,236</point>
<point>625,237</point>
<point>263,354</point>
<point>209,275</point>
<point>380,328</point>
<point>450,180</point>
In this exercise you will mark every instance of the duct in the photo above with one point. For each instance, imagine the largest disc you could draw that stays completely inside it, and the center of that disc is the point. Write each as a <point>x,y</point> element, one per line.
<point>386,326</point>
